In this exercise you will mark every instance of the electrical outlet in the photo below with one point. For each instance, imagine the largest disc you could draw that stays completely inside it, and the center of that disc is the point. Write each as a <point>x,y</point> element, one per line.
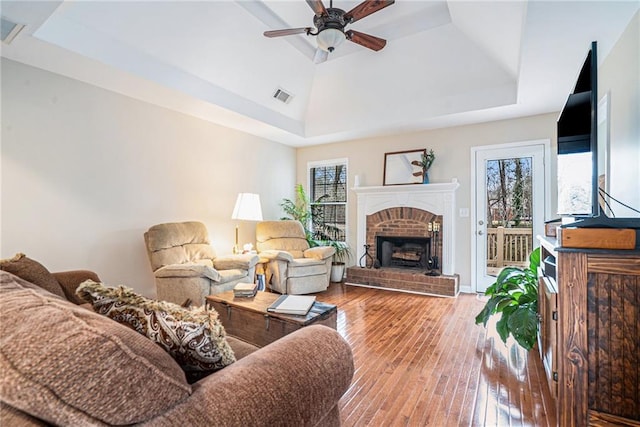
<point>464,212</point>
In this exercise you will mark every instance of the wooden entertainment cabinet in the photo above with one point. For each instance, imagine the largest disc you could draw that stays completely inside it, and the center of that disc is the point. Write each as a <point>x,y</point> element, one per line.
<point>592,351</point>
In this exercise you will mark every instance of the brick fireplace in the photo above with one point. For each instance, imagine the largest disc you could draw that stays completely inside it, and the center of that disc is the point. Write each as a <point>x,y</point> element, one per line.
<point>406,252</point>
<point>403,225</point>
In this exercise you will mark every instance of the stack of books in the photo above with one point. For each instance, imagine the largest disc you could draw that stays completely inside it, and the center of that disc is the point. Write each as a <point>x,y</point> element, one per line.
<point>245,290</point>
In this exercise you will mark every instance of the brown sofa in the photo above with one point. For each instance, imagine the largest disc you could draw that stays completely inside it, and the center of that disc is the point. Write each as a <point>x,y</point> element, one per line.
<point>64,364</point>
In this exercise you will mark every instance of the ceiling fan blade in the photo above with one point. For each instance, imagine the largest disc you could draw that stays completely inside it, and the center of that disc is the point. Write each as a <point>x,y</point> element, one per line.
<point>320,56</point>
<point>287,32</point>
<point>366,40</point>
<point>317,7</point>
<point>366,8</point>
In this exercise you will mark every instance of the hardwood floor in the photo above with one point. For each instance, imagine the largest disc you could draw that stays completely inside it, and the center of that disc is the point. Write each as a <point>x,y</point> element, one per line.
<point>422,360</point>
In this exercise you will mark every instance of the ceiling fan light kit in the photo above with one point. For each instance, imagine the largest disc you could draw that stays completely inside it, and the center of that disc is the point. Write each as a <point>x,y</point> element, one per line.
<point>330,23</point>
<point>330,38</point>
<point>330,27</point>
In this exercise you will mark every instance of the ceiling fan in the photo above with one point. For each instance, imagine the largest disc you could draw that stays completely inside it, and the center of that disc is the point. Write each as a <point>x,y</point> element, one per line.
<point>330,23</point>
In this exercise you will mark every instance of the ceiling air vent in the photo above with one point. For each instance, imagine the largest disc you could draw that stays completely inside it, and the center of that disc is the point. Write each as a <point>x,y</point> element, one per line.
<point>282,95</point>
<point>9,30</point>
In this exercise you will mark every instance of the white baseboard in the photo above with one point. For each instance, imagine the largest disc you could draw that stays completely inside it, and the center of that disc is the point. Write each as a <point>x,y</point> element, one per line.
<point>466,289</point>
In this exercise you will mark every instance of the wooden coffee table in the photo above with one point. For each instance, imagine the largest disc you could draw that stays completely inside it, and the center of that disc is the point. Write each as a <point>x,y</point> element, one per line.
<point>248,319</point>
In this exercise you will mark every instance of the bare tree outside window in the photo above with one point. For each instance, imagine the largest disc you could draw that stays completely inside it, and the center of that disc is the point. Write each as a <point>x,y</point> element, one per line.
<point>509,192</point>
<point>329,201</point>
<point>509,212</point>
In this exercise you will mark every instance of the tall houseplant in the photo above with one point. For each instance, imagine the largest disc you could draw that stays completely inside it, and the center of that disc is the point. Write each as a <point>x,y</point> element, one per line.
<point>515,296</point>
<point>299,209</point>
<point>340,257</point>
<point>311,216</point>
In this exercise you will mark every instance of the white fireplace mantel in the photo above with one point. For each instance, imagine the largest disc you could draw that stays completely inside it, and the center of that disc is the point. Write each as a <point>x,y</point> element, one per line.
<point>438,199</point>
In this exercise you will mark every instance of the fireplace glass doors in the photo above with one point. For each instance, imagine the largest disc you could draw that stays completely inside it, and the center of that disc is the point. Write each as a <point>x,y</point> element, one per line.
<point>405,252</point>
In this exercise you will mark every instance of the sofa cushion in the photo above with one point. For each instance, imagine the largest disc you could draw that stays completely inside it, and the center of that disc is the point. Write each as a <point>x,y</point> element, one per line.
<point>188,270</point>
<point>305,267</point>
<point>235,262</point>
<point>32,271</point>
<point>240,347</point>
<point>295,247</point>
<point>178,243</point>
<point>194,338</point>
<point>227,276</point>
<point>70,366</point>
<point>286,235</point>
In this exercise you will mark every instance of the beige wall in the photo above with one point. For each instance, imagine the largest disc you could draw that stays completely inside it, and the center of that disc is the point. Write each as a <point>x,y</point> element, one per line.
<point>85,171</point>
<point>452,147</point>
<point>619,77</point>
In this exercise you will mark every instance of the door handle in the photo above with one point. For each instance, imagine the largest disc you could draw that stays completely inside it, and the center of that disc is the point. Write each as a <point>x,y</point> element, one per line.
<point>480,233</point>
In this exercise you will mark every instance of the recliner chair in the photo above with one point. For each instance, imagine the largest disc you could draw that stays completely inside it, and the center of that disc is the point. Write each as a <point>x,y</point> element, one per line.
<point>185,264</point>
<point>293,267</point>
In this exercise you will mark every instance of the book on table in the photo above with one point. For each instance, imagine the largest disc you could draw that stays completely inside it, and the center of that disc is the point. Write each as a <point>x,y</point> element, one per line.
<point>245,290</point>
<point>292,304</point>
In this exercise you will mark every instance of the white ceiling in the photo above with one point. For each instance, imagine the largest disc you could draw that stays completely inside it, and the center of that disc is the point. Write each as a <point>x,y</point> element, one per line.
<point>446,63</point>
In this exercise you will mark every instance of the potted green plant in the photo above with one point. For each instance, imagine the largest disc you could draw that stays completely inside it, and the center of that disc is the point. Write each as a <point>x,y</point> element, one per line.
<point>300,210</point>
<point>340,257</point>
<point>515,295</point>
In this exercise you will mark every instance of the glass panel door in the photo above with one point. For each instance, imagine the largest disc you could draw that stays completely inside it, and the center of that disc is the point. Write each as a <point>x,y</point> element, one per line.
<point>509,213</point>
<point>509,208</point>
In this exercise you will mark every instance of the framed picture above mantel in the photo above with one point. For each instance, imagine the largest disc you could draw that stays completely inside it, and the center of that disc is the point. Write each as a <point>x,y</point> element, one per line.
<point>400,169</point>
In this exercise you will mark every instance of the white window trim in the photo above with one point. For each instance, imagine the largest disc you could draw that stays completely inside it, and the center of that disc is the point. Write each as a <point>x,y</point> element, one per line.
<point>332,162</point>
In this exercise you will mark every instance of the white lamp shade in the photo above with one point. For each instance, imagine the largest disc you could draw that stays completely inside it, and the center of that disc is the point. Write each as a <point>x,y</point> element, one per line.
<point>330,38</point>
<point>247,207</point>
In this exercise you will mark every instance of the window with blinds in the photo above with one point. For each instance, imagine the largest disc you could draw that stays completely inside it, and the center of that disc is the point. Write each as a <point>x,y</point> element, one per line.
<point>328,184</point>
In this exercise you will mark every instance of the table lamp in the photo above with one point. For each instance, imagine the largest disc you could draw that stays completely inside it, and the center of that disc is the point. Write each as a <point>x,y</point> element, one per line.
<point>247,208</point>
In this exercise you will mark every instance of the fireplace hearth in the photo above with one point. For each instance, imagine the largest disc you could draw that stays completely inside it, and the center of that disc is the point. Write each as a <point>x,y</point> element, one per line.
<point>422,261</point>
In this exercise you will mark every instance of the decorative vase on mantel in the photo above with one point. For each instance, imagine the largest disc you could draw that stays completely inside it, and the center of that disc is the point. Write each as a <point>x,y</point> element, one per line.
<point>425,163</point>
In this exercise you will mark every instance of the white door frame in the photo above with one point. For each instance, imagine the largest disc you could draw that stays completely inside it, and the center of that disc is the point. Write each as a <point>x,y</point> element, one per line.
<point>546,143</point>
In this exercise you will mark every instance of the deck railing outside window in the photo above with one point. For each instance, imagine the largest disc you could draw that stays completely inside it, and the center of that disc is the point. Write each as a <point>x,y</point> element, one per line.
<point>508,247</point>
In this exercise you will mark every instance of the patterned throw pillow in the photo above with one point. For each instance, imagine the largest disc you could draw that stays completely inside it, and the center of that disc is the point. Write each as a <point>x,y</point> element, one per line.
<point>194,338</point>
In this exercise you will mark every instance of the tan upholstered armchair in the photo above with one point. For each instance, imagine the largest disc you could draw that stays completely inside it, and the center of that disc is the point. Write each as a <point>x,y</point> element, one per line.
<point>293,267</point>
<point>185,264</point>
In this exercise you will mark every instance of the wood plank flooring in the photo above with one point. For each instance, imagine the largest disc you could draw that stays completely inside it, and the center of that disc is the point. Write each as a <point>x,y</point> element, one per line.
<point>423,361</point>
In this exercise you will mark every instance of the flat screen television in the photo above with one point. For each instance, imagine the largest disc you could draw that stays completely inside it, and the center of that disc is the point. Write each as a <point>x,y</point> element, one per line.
<point>578,145</point>
<point>578,178</point>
